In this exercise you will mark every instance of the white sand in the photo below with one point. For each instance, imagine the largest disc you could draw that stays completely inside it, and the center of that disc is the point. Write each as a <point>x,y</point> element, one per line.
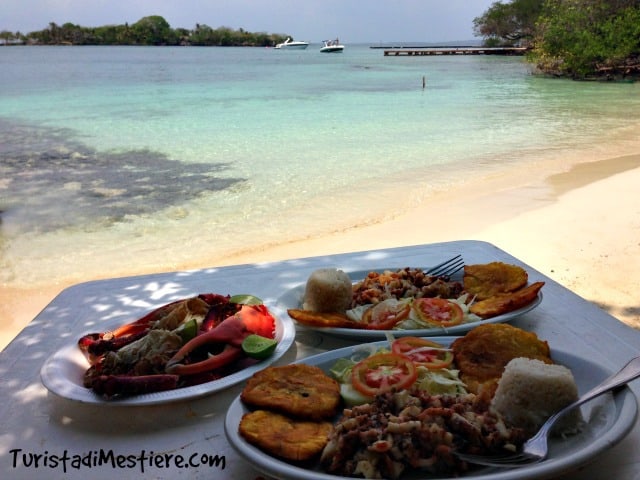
<point>580,227</point>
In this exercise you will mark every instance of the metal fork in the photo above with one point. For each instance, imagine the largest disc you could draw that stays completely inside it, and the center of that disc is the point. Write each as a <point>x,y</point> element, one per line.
<point>536,448</point>
<point>447,268</point>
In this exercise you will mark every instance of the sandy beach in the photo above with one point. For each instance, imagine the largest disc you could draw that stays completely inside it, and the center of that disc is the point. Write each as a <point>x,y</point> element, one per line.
<point>580,226</point>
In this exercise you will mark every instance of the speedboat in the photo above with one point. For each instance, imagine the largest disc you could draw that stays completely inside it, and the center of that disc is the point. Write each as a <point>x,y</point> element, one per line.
<point>292,45</point>
<point>332,46</point>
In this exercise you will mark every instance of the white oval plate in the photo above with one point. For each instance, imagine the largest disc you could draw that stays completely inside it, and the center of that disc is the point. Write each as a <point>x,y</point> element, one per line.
<point>292,298</point>
<point>609,419</point>
<point>62,374</point>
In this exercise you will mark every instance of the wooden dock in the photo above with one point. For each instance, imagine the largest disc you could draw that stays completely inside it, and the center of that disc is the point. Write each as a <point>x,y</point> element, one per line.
<point>416,52</point>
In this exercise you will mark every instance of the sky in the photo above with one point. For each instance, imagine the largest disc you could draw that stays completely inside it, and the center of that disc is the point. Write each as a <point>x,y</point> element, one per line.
<point>354,21</point>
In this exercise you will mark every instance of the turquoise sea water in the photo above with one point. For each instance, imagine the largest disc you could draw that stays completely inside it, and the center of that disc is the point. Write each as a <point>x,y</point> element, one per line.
<point>110,155</point>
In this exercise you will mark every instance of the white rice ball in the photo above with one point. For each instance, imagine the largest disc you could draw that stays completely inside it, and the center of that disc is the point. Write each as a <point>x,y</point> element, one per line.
<point>530,391</point>
<point>328,290</point>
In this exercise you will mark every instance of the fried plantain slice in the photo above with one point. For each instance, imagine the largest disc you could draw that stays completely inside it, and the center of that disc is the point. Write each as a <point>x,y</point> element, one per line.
<point>483,352</point>
<point>298,390</point>
<point>322,319</point>
<point>506,302</point>
<point>284,437</point>
<point>486,280</point>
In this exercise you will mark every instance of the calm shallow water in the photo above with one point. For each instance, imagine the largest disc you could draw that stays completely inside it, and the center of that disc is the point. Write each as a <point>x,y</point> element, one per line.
<point>121,154</point>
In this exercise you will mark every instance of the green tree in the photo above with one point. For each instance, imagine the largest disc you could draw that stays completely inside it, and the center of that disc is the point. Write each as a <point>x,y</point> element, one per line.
<point>153,30</point>
<point>224,37</point>
<point>74,34</point>
<point>54,33</point>
<point>201,35</point>
<point>124,35</point>
<point>6,36</point>
<point>508,23</point>
<point>575,38</point>
<point>182,36</point>
<point>106,35</point>
<point>581,38</point>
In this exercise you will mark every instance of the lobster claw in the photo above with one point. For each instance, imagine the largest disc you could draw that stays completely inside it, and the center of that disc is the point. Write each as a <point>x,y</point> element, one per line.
<point>169,316</point>
<point>250,319</point>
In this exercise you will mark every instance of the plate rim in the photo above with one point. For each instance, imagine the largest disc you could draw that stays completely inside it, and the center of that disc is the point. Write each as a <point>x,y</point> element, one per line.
<point>370,335</point>
<point>628,410</point>
<point>66,388</point>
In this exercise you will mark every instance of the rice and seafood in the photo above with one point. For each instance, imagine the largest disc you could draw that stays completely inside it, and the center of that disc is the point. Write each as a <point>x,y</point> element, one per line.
<point>407,407</point>
<point>410,299</point>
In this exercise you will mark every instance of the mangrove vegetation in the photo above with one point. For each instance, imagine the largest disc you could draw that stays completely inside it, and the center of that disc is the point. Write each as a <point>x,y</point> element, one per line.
<point>580,39</point>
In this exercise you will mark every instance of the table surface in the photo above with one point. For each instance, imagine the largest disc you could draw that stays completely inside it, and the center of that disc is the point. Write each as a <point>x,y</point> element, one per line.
<point>37,425</point>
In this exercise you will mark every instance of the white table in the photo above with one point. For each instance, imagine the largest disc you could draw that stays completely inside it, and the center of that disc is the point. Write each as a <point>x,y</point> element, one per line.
<point>34,422</point>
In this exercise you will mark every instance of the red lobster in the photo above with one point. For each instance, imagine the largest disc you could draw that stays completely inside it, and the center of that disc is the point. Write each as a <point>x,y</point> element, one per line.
<point>147,355</point>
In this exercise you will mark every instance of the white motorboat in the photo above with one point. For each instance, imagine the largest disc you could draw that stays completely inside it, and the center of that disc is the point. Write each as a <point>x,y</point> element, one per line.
<point>332,46</point>
<point>289,44</point>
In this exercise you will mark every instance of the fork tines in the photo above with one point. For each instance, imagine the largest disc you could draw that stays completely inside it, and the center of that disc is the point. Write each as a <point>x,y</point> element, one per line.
<point>447,268</point>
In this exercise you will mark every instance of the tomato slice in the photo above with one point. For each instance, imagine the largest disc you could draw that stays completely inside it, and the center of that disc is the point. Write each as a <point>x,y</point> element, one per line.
<point>438,311</point>
<point>382,373</point>
<point>386,314</point>
<point>423,352</point>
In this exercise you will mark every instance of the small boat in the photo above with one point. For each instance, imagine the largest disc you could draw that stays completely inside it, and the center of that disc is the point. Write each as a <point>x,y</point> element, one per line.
<point>332,46</point>
<point>292,45</point>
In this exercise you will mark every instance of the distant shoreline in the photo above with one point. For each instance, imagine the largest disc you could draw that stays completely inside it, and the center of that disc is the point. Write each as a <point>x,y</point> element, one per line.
<point>150,30</point>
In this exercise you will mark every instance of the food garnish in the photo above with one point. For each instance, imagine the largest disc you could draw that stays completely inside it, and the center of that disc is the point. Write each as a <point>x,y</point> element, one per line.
<point>183,343</point>
<point>433,364</point>
<point>257,346</point>
<point>382,373</point>
<point>438,311</point>
<point>245,299</point>
<point>423,352</point>
<point>386,315</point>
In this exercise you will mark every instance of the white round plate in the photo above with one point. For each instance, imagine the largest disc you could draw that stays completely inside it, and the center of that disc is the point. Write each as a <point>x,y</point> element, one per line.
<point>609,419</point>
<point>62,374</point>
<point>292,298</point>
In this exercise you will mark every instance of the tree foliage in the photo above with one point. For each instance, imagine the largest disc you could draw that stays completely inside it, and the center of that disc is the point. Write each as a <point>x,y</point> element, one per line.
<point>150,30</point>
<point>575,38</point>
<point>508,24</point>
<point>7,37</point>
<point>584,38</point>
<point>153,30</point>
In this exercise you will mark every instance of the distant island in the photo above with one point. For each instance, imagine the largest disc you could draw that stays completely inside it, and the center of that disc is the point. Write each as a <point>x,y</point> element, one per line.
<point>151,30</point>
